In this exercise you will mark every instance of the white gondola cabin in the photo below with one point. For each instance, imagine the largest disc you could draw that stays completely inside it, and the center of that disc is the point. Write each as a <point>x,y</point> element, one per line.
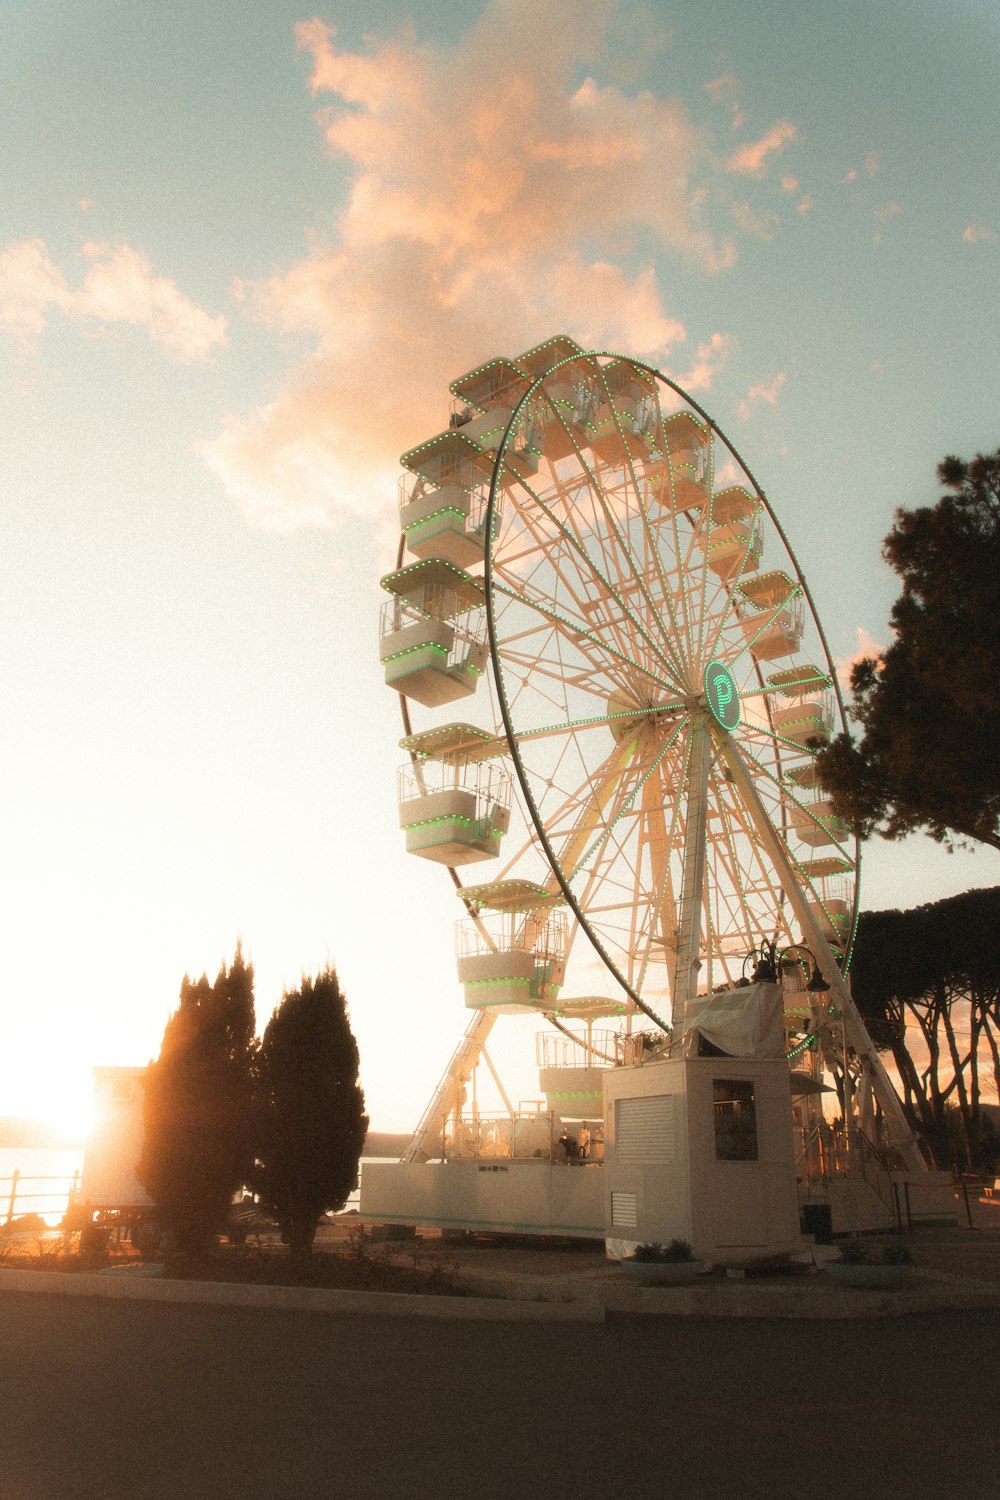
<point>678,463</point>
<point>564,396</point>
<point>806,717</point>
<point>832,905</point>
<point>621,413</point>
<point>772,618</point>
<point>816,824</point>
<point>433,632</point>
<point>489,394</point>
<point>442,499</point>
<point>735,537</point>
<point>511,962</point>
<point>453,813</point>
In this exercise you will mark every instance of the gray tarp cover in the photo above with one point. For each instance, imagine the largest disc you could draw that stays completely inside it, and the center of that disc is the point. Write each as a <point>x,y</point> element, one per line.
<point>746,1022</point>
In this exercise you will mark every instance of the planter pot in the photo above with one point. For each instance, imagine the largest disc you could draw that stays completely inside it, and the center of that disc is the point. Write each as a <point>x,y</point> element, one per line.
<point>662,1272</point>
<point>870,1278</point>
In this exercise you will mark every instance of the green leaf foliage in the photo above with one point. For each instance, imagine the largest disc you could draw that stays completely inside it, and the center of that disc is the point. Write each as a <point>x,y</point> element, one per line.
<point>310,1116</point>
<point>197,1111</point>
<point>926,758</point>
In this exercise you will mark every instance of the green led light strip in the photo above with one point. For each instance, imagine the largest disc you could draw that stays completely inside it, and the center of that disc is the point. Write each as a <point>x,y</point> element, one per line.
<point>412,650</point>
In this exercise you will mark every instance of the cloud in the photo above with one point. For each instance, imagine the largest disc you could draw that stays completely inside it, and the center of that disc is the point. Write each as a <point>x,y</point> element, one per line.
<point>709,359</point>
<point>764,225</point>
<point>480,219</point>
<point>118,287</point>
<point>865,647</point>
<point>30,283</point>
<point>751,160</point>
<point>805,204</point>
<point>882,215</point>
<point>790,184</point>
<point>725,90</point>
<point>765,391</point>
<point>973,233</point>
<point>872,164</point>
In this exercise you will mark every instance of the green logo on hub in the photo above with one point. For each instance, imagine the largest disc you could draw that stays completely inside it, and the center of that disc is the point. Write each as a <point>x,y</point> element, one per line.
<point>723,695</point>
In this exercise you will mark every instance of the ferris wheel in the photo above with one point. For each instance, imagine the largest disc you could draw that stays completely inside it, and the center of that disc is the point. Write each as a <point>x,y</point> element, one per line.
<point>586,563</point>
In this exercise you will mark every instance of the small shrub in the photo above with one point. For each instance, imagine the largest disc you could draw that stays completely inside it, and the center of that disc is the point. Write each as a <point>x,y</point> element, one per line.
<point>854,1253</point>
<point>897,1255</point>
<point>678,1252</point>
<point>650,1250</point>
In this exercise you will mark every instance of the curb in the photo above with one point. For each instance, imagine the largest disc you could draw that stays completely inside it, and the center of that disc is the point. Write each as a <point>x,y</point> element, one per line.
<point>125,1288</point>
<point>815,1300</point>
<point>524,1299</point>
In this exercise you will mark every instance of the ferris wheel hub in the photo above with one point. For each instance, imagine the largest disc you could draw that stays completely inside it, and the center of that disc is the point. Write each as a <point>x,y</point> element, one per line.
<point>632,715</point>
<point>722,695</point>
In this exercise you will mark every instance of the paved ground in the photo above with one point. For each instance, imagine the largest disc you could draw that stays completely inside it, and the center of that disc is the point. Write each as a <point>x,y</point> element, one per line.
<point>160,1402</point>
<point>937,1252</point>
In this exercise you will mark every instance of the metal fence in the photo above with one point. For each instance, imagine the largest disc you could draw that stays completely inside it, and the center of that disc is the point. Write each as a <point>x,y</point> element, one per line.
<point>22,1193</point>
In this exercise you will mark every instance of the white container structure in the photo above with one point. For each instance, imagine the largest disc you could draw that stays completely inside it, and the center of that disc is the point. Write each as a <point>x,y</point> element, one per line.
<point>114,1144</point>
<point>700,1149</point>
<point>773,616</point>
<point>735,538</point>
<point>511,962</point>
<point>454,813</point>
<point>433,632</point>
<point>443,497</point>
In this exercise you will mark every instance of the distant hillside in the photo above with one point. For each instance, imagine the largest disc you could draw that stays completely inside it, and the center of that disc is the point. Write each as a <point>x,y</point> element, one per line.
<point>384,1143</point>
<point>19,1133</point>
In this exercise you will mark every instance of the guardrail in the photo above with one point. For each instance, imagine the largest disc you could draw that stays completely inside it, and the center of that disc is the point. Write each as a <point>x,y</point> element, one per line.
<point>22,1188</point>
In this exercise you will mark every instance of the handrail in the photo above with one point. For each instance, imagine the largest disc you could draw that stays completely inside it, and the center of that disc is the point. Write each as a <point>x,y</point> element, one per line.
<point>14,1193</point>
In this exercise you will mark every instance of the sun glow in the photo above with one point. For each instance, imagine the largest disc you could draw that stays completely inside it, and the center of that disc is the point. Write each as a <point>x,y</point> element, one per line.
<point>61,1100</point>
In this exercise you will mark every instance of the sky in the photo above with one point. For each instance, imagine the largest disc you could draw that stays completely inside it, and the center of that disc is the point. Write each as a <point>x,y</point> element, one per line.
<point>243,250</point>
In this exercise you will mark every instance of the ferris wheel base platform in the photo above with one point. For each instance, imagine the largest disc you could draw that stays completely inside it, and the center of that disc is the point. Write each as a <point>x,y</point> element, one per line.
<point>493,1196</point>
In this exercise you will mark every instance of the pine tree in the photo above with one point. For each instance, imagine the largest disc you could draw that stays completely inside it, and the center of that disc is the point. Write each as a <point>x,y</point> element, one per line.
<point>310,1118</point>
<point>197,1147</point>
<point>927,755</point>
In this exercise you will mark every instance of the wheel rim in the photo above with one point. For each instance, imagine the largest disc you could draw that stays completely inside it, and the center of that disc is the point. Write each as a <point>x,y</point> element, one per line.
<point>623,668</point>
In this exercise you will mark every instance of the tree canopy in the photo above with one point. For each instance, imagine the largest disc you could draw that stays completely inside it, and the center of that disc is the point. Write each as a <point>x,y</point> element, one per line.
<point>927,983</point>
<point>197,1145</point>
<point>927,756</point>
<point>310,1117</point>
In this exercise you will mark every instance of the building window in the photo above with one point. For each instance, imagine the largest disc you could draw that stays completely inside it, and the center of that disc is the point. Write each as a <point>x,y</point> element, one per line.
<point>735,1119</point>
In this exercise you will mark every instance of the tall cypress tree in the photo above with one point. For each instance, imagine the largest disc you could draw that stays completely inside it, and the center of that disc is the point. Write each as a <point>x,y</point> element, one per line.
<point>310,1119</point>
<point>197,1147</point>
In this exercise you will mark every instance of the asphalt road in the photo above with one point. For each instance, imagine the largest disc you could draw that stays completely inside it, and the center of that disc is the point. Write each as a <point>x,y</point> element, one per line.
<point>150,1400</point>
